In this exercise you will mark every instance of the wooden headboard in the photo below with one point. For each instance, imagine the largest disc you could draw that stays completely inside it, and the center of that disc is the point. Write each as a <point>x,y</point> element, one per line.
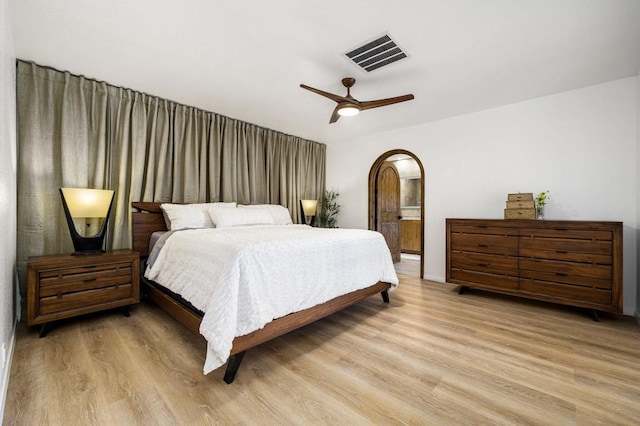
<point>147,220</point>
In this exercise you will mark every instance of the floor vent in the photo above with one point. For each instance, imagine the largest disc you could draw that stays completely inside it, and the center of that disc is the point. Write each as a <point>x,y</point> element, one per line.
<point>376,54</point>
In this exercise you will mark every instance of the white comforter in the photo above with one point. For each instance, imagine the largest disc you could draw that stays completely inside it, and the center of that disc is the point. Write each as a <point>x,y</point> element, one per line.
<point>244,277</point>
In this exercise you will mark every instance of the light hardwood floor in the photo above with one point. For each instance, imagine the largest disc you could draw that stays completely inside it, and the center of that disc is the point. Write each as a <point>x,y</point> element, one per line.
<point>429,357</point>
<point>408,265</point>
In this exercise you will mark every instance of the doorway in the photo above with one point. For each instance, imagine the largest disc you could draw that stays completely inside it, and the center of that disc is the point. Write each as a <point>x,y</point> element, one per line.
<point>410,210</point>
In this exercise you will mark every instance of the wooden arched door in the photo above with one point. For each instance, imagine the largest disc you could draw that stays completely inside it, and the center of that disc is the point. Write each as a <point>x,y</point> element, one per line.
<point>374,196</point>
<point>388,207</point>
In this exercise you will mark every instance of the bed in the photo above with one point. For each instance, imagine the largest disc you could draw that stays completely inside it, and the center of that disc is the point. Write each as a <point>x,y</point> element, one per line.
<point>188,307</point>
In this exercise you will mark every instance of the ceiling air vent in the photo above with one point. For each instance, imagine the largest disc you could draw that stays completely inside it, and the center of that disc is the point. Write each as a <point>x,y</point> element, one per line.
<point>376,54</point>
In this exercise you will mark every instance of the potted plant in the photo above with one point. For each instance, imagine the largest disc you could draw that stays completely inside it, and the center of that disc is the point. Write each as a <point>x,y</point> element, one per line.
<point>328,210</point>
<point>541,200</point>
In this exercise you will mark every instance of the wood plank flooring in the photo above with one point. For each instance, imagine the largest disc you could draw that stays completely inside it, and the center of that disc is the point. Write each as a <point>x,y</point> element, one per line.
<point>429,357</point>
<point>408,265</point>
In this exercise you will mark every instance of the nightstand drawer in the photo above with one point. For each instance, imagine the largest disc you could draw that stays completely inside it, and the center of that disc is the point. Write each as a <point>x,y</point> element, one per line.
<point>83,273</point>
<point>84,299</point>
<point>86,283</point>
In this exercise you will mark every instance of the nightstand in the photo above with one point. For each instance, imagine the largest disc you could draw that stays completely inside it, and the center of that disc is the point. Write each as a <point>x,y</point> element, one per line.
<point>65,285</point>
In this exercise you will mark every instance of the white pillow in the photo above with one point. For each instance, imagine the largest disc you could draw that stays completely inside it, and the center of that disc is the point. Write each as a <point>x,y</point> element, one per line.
<point>182,216</point>
<point>279,213</point>
<point>225,218</point>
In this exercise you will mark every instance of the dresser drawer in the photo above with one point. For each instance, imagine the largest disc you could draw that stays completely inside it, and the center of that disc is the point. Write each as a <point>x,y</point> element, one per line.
<point>562,277</point>
<point>577,273</point>
<point>577,270</point>
<point>495,264</point>
<point>491,244</point>
<point>565,292</point>
<point>480,279</point>
<point>565,255</point>
<point>484,230</point>
<point>567,233</point>
<point>568,240</point>
<point>566,246</point>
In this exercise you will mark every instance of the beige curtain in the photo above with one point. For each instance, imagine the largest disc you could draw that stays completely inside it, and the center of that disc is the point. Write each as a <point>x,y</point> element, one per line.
<point>78,132</point>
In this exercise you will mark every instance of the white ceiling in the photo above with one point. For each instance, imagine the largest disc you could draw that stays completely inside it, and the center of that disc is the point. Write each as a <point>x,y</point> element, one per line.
<point>246,59</point>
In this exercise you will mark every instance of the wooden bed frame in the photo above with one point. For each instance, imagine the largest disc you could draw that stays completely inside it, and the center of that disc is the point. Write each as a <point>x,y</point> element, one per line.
<point>149,219</point>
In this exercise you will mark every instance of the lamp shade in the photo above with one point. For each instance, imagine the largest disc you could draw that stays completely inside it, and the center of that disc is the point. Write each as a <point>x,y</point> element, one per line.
<point>84,202</point>
<point>309,207</point>
<point>87,206</point>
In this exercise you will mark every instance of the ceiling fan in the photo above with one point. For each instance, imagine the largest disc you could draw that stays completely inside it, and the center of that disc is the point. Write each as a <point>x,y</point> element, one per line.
<point>349,106</point>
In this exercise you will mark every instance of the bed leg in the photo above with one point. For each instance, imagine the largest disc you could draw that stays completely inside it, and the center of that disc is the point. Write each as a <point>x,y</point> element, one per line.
<point>232,367</point>
<point>385,296</point>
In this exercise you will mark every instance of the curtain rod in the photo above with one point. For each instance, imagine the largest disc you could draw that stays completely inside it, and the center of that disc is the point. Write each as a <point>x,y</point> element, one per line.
<point>24,61</point>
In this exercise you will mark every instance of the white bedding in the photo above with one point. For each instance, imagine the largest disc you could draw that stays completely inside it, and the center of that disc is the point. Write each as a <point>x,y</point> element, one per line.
<point>244,277</point>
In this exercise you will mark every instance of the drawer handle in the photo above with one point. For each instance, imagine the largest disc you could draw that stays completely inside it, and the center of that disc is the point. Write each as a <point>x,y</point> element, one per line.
<point>482,245</point>
<point>562,251</point>
<point>484,265</point>
<point>88,280</point>
<point>561,274</point>
<point>562,229</point>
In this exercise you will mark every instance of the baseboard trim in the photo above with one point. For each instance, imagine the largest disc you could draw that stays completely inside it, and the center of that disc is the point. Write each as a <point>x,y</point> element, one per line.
<point>7,370</point>
<point>434,278</point>
<point>637,315</point>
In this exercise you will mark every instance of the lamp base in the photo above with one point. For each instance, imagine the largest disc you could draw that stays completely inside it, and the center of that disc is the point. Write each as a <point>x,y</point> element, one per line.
<point>91,245</point>
<point>85,245</point>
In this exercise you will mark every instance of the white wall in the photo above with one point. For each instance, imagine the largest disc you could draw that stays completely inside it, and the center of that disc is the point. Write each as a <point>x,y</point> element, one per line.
<point>7,196</point>
<point>580,145</point>
<point>638,212</point>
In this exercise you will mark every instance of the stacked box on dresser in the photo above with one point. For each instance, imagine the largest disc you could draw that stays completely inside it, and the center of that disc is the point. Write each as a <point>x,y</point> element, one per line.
<point>520,206</point>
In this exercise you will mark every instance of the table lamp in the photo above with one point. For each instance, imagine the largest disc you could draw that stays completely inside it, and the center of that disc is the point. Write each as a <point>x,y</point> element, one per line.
<point>308,208</point>
<point>82,203</point>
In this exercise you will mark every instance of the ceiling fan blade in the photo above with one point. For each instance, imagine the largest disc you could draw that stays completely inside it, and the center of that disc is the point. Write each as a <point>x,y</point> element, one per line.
<point>334,116</point>
<point>323,93</point>
<point>384,102</point>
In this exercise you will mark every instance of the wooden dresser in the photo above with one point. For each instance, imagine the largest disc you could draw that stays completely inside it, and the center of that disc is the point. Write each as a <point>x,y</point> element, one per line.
<point>63,286</point>
<point>575,263</point>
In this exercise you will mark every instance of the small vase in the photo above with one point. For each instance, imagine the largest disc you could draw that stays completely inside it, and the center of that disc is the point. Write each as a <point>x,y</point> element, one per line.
<point>540,212</point>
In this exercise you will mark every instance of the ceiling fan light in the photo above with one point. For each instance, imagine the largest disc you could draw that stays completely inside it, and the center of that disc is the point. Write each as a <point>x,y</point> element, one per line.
<point>348,111</point>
